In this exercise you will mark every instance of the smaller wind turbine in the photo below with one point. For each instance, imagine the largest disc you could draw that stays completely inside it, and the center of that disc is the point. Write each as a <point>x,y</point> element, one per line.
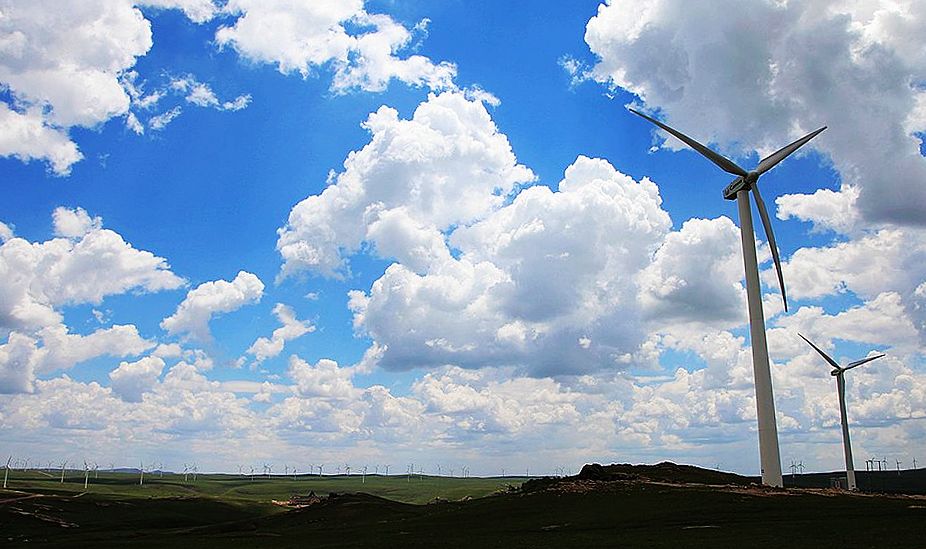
<point>839,373</point>
<point>86,474</point>
<point>363,472</point>
<point>387,469</point>
<point>320,467</point>
<point>6,472</point>
<point>898,465</point>
<point>63,465</point>
<point>141,471</point>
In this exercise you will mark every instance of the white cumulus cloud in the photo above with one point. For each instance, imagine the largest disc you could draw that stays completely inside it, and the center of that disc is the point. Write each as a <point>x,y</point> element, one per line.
<point>292,328</point>
<point>66,64</point>
<point>91,263</point>
<point>133,379</point>
<point>211,298</point>
<point>754,75</point>
<point>532,279</point>
<point>445,166</point>
<point>363,49</point>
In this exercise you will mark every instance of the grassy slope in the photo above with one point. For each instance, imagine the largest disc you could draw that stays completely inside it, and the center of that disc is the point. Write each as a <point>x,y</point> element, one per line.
<point>115,507</point>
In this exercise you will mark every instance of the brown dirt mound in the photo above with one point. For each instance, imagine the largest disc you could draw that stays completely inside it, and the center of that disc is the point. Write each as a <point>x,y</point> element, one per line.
<point>661,472</point>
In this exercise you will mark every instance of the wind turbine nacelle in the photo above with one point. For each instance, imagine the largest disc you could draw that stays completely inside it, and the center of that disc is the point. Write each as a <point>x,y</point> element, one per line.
<point>835,373</point>
<point>736,186</point>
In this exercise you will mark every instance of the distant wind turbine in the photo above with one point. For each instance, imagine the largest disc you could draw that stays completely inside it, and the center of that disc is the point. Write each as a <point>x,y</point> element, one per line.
<point>63,465</point>
<point>86,474</point>
<point>839,373</point>
<point>769,456</point>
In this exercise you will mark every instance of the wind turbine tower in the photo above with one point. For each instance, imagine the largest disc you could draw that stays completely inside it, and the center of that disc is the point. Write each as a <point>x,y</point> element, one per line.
<point>746,181</point>
<point>839,373</point>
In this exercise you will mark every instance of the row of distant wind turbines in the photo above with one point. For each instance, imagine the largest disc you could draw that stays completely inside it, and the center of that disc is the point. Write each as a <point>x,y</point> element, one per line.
<point>267,470</point>
<point>191,470</point>
<point>746,181</point>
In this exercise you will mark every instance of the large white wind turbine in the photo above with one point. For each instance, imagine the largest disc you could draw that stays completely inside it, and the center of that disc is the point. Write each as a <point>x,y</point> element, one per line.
<point>738,190</point>
<point>839,373</point>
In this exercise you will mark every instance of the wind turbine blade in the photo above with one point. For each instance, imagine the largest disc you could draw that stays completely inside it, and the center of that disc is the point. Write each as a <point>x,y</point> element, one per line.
<point>824,355</point>
<point>766,222</point>
<point>722,162</point>
<point>863,361</point>
<point>769,161</point>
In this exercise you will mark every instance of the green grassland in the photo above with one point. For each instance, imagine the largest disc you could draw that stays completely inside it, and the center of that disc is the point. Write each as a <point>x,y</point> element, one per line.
<point>259,489</point>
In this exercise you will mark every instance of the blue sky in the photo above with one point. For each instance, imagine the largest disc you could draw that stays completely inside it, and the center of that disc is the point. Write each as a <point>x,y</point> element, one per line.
<point>393,232</point>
